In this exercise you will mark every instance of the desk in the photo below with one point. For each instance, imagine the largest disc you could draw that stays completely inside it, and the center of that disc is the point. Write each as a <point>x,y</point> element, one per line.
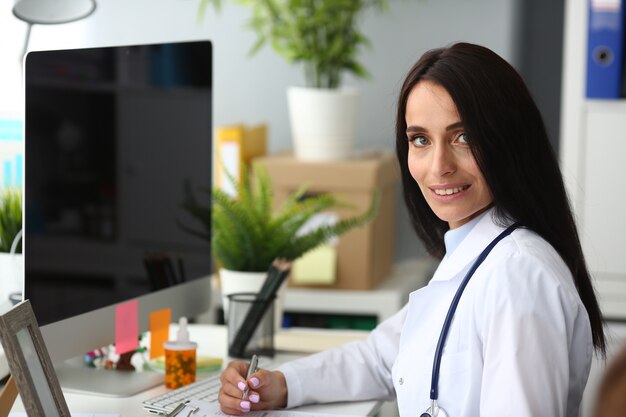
<point>212,341</point>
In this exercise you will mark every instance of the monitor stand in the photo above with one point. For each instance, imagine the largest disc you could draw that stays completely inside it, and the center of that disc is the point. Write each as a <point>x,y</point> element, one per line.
<point>75,377</point>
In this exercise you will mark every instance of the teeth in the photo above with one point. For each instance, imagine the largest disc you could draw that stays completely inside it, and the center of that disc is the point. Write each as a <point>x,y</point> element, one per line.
<point>449,191</point>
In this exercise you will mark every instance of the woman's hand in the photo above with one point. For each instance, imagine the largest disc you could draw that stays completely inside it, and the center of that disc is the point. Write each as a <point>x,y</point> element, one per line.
<point>267,389</point>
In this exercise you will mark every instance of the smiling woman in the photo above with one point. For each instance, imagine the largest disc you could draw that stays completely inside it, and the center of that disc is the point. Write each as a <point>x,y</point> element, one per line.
<point>484,192</point>
<point>440,159</point>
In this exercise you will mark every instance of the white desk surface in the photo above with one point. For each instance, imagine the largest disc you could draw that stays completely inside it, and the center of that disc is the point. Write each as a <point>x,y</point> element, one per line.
<point>211,341</point>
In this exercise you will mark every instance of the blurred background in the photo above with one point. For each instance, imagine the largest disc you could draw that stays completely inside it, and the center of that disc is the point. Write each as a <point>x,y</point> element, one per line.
<point>528,33</point>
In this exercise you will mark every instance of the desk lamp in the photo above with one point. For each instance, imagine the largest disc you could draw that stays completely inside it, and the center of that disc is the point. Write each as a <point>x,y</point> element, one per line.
<point>51,12</point>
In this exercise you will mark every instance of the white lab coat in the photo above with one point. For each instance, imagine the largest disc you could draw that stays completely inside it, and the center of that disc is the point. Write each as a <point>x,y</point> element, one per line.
<point>520,343</point>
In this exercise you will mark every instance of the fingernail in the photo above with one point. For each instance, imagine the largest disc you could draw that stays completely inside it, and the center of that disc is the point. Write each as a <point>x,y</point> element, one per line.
<point>254,381</point>
<point>254,398</point>
<point>241,385</point>
<point>245,405</point>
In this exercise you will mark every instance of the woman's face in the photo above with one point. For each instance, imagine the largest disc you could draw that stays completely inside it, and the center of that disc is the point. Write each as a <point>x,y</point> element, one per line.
<point>440,159</point>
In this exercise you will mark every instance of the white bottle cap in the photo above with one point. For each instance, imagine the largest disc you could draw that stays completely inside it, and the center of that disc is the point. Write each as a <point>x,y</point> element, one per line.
<point>182,338</point>
<point>183,333</point>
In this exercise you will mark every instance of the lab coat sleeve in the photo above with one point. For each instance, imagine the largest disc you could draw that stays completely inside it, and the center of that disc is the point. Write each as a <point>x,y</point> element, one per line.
<point>352,372</point>
<point>536,340</point>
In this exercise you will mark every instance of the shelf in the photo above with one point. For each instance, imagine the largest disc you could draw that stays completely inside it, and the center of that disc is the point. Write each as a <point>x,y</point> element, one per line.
<point>591,155</point>
<point>382,302</point>
<point>604,106</point>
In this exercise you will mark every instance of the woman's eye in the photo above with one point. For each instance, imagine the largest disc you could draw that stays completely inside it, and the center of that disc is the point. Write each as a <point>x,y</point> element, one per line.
<point>419,140</point>
<point>462,138</point>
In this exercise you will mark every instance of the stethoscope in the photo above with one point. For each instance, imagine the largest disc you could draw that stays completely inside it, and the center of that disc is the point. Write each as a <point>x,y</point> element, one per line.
<point>434,410</point>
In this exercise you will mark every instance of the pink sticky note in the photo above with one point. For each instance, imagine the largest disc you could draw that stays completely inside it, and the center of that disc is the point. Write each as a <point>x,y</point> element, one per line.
<point>126,327</point>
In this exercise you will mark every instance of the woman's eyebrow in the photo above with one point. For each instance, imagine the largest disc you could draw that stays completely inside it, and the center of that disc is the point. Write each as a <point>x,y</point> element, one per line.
<point>455,125</point>
<point>416,128</point>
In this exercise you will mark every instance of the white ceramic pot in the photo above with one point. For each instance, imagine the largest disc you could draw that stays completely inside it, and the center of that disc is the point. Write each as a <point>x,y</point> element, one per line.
<point>236,281</point>
<point>323,122</point>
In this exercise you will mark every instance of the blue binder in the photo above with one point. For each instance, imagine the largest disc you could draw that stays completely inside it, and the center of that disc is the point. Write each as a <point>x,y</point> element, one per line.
<point>605,49</point>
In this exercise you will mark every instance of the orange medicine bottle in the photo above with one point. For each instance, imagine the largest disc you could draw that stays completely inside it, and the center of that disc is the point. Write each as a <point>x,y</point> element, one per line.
<point>180,358</point>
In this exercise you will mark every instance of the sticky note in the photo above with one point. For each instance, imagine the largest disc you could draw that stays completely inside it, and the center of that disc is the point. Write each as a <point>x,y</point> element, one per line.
<point>318,266</point>
<point>126,327</point>
<point>159,331</point>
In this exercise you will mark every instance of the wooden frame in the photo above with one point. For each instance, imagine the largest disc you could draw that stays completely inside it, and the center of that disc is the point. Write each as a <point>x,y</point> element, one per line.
<point>30,363</point>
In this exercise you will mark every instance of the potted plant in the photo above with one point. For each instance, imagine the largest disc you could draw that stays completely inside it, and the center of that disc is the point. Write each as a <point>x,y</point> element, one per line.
<point>247,234</point>
<point>11,261</point>
<point>322,35</point>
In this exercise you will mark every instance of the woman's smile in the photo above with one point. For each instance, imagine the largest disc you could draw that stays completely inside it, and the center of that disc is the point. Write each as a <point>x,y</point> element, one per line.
<point>448,190</point>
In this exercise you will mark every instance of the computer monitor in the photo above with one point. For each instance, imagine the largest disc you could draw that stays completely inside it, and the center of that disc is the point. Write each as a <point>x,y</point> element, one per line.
<point>111,136</point>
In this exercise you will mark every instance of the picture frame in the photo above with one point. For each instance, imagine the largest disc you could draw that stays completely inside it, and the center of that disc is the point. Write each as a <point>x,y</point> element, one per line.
<point>30,364</point>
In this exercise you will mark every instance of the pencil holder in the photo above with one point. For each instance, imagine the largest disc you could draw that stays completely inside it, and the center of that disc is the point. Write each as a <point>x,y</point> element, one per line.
<point>249,315</point>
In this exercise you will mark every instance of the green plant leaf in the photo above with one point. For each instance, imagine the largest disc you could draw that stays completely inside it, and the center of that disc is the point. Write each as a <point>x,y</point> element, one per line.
<point>321,34</point>
<point>10,218</point>
<point>246,234</point>
<point>302,244</point>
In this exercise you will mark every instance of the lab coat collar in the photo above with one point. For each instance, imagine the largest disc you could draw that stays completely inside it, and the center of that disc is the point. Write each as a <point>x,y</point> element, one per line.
<point>478,238</point>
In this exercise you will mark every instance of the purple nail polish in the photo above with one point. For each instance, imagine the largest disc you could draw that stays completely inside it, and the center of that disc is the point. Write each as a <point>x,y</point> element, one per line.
<point>254,398</point>
<point>254,381</point>
<point>241,385</point>
<point>245,405</point>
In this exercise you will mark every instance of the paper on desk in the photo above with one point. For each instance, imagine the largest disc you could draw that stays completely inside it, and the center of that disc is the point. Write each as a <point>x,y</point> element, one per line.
<point>212,409</point>
<point>308,340</point>
<point>22,414</point>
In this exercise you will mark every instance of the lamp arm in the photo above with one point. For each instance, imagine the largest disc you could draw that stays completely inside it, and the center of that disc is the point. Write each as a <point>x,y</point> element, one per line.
<point>26,40</point>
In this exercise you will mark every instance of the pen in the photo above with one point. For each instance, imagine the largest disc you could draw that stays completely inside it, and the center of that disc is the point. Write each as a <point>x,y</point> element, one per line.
<point>251,369</point>
<point>177,410</point>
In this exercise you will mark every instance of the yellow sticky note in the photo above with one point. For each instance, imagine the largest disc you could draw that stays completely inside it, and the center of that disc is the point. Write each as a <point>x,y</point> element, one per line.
<point>159,331</point>
<point>318,266</point>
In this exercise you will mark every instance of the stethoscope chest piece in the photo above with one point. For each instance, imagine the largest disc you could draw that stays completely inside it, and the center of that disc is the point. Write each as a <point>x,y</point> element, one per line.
<point>434,411</point>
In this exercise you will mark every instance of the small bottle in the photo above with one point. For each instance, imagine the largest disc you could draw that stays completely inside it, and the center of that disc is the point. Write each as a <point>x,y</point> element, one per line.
<point>180,358</point>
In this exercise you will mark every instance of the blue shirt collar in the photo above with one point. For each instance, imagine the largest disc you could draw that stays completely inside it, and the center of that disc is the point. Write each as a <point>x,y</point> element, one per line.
<point>454,237</point>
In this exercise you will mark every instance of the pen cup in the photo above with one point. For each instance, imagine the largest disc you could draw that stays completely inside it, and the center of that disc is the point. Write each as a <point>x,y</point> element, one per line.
<point>261,341</point>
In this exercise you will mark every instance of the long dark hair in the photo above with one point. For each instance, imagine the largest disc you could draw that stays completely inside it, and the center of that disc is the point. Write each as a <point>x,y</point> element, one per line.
<point>509,141</point>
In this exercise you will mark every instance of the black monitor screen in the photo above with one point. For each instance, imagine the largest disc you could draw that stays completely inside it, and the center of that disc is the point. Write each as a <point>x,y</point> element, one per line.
<point>111,136</point>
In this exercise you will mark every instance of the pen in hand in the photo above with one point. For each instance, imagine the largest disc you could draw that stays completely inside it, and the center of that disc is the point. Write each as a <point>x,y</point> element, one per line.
<point>251,369</point>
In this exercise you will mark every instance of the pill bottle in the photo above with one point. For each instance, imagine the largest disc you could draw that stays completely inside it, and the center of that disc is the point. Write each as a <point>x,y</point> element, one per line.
<point>180,358</point>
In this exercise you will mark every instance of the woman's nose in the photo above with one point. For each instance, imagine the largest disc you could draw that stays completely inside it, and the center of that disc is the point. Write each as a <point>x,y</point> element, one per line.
<point>443,161</point>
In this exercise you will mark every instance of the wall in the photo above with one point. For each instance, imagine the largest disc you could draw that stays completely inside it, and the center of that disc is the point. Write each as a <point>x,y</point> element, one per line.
<point>253,89</point>
<point>541,58</point>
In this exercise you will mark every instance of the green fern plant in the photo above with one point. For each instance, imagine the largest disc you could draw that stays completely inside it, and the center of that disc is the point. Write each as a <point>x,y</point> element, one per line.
<point>321,34</point>
<point>247,235</point>
<point>10,218</point>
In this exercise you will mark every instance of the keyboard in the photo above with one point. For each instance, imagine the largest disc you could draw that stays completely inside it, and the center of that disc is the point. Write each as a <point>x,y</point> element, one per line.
<point>204,389</point>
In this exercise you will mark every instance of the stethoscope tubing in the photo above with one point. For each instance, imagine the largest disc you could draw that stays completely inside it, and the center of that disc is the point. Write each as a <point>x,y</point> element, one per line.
<point>434,390</point>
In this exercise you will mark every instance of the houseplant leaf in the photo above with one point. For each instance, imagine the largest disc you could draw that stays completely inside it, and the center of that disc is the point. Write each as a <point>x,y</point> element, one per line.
<point>247,235</point>
<point>10,218</point>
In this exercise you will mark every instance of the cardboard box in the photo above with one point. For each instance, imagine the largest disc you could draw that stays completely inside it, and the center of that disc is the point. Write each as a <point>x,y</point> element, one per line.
<point>364,255</point>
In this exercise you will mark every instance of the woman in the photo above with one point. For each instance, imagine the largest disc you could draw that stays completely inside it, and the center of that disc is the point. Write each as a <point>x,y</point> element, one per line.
<point>476,165</point>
